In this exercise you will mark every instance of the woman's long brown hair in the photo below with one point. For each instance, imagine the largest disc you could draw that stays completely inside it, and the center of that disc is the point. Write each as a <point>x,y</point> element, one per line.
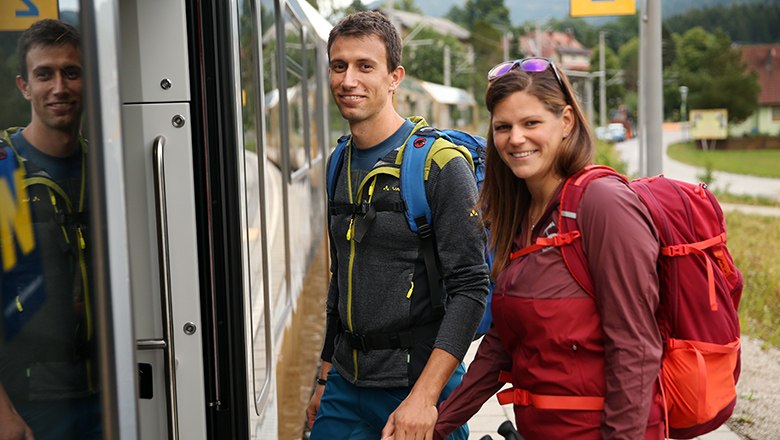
<point>504,198</point>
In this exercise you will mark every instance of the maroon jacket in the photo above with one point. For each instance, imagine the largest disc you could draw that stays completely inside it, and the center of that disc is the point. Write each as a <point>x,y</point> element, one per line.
<point>557,340</point>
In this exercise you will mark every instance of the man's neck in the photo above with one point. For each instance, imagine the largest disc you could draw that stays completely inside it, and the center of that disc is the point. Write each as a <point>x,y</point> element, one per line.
<point>368,133</point>
<point>57,143</point>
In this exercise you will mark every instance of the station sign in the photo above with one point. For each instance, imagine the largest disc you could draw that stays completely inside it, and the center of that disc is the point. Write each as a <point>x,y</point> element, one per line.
<point>18,15</point>
<point>708,124</point>
<point>596,8</point>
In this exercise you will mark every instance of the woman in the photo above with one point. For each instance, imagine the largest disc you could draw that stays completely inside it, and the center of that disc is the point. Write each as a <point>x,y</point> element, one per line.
<point>580,367</point>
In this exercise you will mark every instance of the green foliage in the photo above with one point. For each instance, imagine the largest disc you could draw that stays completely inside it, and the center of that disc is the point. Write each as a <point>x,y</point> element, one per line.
<point>629,62</point>
<point>763,163</point>
<point>709,66</point>
<point>15,110</point>
<point>621,30</point>
<point>427,61</point>
<point>486,54</point>
<point>615,89</point>
<point>607,155</point>
<point>407,5</point>
<point>741,199</point>
<point>748,23</point>
<point>493,12</point>
<point>754,242</point>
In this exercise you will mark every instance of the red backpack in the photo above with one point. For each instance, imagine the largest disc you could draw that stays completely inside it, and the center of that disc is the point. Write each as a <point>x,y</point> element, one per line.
<point>700,289</point>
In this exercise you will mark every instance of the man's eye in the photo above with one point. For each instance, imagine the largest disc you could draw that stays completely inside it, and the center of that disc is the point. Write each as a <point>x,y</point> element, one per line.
<point>337,67</point>
<point>72,73</point>
<point>43,76</point>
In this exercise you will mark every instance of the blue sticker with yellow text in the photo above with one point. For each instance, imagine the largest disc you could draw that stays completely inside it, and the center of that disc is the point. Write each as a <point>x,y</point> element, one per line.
<point>22,290</point>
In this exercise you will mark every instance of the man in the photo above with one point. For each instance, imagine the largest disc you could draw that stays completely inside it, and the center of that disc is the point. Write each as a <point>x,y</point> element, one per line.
<point>48,382</point>
<point>388,358</point>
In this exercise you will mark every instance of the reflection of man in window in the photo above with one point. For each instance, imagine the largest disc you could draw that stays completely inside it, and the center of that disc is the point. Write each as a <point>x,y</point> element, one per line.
<point>47,375</point>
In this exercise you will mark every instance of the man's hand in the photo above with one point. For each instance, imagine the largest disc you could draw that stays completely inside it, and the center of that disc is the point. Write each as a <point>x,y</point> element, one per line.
<point>12,426</point>
<point>414,419</point>
<point>314,405</point>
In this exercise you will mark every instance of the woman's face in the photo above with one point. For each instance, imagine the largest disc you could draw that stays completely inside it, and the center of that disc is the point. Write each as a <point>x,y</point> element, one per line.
<point>528,136</point>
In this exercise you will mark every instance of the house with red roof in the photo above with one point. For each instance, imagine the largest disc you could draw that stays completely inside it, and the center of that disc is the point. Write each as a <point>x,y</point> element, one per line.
<point>764,59</point>
<point>561,47</point>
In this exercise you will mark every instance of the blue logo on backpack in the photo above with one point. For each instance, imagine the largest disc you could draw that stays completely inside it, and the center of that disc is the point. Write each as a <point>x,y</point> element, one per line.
<point>412,184</point>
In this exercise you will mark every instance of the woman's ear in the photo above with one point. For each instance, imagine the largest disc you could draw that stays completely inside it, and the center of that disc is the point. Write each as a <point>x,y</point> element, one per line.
<point>567,118</point>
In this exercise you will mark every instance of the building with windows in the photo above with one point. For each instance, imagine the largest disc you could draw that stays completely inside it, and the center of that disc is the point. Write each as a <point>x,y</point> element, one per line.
<point>764,59</point>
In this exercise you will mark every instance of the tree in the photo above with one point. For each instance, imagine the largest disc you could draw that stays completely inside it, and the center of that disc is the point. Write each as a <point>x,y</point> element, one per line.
<point>408,6</point>
<point>714,74</point>
<point>493,12</point>
<point>615,87</point>
<point>426,61</point>
<point>15,110</point>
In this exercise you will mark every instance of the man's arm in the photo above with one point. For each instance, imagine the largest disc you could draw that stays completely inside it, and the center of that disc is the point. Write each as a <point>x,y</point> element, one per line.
<point>417,414</point>
<point>12,426</point>
<point>331,328</point>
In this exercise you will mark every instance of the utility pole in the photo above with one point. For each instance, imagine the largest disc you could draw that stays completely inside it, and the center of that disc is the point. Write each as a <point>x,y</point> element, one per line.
<point>447,65</point>
<point>651,88</point>
<point>602,82</point>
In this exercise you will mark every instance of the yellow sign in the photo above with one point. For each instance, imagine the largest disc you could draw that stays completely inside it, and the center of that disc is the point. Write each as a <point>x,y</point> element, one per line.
<point>709,124</point>
<point>18,15</point>
<point>15,220</point>
<point>592,8</point>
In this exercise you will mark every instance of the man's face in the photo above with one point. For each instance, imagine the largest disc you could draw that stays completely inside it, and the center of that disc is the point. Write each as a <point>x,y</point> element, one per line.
<point>53,86</point>
<point>359,80</point>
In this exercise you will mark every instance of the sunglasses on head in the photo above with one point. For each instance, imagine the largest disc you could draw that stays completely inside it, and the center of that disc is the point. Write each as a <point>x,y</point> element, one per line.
<point>530,65</point>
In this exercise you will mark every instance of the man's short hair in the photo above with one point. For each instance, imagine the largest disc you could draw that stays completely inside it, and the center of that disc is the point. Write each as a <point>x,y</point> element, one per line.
<point>367,23</point>
<point>46,32</point>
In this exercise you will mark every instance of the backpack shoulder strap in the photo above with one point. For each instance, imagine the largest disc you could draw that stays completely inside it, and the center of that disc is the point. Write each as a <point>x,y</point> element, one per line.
<point>569,235</point>
<point>571,196</point>
<point>334,165</point>
<point>412,181</point>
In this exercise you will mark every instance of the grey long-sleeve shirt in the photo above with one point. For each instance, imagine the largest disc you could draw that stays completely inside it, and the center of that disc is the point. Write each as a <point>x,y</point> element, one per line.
<point>379,284</point>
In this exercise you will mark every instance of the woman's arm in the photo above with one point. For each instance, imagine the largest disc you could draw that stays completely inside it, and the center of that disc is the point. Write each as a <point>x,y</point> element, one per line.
<point>479,383</point>
<point>622,247</point>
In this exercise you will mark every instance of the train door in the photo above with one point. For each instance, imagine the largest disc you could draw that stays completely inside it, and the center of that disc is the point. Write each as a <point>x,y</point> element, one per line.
<point>157,122</point>
<point>196,237</point>
<point>66,340</point>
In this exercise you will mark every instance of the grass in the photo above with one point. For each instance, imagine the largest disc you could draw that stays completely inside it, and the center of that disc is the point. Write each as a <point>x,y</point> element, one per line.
<point>762,163</point>
<point>741,199</point>
<point>754,242</point>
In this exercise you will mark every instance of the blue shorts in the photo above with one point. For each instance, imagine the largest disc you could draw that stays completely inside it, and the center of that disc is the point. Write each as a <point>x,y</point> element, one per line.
<point>356,413</point>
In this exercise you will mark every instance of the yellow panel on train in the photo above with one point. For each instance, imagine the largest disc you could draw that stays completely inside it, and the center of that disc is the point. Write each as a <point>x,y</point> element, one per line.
<point>18,15</point>
<point>592,8</point>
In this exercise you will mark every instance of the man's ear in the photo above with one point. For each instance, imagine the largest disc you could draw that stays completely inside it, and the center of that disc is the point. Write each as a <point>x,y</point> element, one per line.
<point>396,76</point>
<point>23,87</point>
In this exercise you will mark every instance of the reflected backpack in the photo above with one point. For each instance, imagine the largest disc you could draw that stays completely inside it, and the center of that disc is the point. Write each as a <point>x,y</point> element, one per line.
<point>417,210</point>
<point>699,289</point>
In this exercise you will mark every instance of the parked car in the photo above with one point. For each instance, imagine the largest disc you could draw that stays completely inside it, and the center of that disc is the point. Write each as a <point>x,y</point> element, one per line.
<point>616,132</point>
<point>603,134</point>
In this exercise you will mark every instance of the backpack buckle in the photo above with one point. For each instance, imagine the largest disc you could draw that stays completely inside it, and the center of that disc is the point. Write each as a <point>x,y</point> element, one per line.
<point>676,251</point>
<point>357,341</point>
<point>564,239</point>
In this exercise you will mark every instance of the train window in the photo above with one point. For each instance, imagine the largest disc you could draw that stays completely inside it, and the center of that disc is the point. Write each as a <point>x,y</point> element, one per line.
<point>272,150</point>
<point>297,116</point>
<point>310,56</point>
<point>255,185</point>
<point>48,329</point>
